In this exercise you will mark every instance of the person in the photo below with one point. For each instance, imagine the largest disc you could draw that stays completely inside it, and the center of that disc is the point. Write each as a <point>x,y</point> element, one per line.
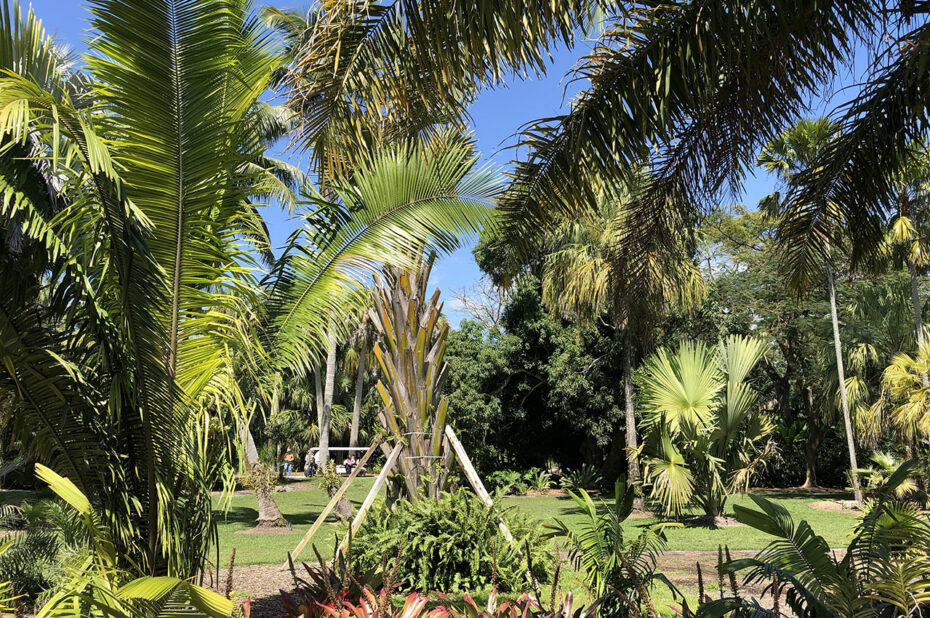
<point>350,463</point>
<point>288,462</point>
<point>309,464</point>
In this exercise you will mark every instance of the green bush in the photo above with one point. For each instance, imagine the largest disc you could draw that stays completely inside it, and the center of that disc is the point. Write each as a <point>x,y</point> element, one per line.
<point>507,482</point>
<point>537,479</point>
<point>585,477</point>
<point>45,537</point>
<point>451,545</point>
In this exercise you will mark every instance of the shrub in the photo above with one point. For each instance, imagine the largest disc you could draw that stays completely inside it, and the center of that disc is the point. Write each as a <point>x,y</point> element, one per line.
<point>883,572</point>
<point>537,479</point>
<point>46,536</point>
<point>507,482</point>
<point>586,477</point>
<point>452,544</point>
<point>619,569</point>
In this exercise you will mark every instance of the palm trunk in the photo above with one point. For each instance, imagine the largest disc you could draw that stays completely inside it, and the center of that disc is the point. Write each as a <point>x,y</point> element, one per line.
<point>269,515</point>
<point>327,401</point>
<point>631,442</point>
<point>318,389</point>
<point>918,318</point>
<point>841,374</point>
<point>359,388</point>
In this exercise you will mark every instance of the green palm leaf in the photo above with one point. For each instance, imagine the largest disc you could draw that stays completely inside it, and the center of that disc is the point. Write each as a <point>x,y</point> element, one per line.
<point>405,200</point>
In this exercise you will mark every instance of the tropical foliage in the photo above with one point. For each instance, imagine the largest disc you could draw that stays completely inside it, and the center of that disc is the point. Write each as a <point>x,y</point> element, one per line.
<point>96,586</point>
<point>124,352</point>
<point>453,544</point>
<point>618,570</point>
<point>413,368</point>
<point>882,572</point>
<point>707,435</point>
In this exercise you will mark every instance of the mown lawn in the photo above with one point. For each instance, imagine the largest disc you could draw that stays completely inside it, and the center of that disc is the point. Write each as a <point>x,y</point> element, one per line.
<point>302,507</point>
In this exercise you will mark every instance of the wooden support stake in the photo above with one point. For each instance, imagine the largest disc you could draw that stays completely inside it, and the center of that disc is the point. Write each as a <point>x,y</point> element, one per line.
<point>333,501</point>
<point>472,475</point>
<point>370,498</point>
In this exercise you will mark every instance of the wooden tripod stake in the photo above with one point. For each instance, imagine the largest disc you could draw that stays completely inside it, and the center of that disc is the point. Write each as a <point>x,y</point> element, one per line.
<point>470,473</point>
<point>461,455</point>
<point>332,502</point>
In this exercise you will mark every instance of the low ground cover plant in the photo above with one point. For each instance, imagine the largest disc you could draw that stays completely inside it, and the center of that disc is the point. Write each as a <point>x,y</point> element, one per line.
<point>619,567</point>
<point>514,482</point>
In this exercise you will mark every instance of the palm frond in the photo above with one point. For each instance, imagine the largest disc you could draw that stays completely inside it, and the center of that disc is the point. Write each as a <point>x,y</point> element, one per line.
<point>406,200</point>
<point>680,79</point>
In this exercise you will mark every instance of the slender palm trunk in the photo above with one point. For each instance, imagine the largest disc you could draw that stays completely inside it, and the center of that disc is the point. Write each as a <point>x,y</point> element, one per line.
<point>328,401</point>
<point>918,317</point>
<point>631,442</point>
<point>359,388</point>
<point>841,374</point>
<point>318,389</point>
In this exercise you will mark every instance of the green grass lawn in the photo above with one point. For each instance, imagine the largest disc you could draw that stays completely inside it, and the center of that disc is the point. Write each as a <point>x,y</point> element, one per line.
<point>834,527</point>
<point>302,507</point>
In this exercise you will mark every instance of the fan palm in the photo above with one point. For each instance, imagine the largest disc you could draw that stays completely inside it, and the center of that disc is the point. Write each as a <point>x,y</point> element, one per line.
<point>707,435</point>
<point>585,278</point>
<point>805,233</point>
<point>905,397</point>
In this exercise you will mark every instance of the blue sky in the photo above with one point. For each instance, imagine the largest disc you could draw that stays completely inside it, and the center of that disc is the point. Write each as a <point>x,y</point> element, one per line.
<point>497,115</point>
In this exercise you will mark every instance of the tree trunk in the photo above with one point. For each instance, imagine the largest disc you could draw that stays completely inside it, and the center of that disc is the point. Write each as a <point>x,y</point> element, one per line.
<point>359,388</point>
<point>327,401</point>
<point>343,509</point>
<point>918,318</point>
<point>631,442</point>
<point>269,515</point>
<point>841,374</point>
<point>814,439</point>
<point>318,389</point>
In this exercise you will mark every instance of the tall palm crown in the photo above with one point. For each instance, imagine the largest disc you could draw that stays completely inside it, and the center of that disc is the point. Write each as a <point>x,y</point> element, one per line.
<point>803,228</point>
<point>807,232</point>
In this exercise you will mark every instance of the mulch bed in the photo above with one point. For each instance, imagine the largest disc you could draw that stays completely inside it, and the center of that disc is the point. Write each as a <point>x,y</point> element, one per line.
<point>262,582</point>
<point>835,506</point>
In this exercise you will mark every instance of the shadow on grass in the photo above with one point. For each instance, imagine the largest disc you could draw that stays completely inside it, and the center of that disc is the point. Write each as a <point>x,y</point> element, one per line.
<point>822,493</point>
<point>238,515</point>
<point>247,516</point>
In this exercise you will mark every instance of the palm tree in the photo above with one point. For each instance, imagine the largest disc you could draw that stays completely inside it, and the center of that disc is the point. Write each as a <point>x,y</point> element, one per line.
<point>809,255</point>
<point>118,358</point>
<point>429,59</point>
<point>707,436</point>
<point>412,197</point>
<point>164,185</point>
<point>585,277</point>
<point>680,79</point>
<point>905,398</point>
<point>356,361</point>
<point>907,234</point>
<point>327,413</point>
